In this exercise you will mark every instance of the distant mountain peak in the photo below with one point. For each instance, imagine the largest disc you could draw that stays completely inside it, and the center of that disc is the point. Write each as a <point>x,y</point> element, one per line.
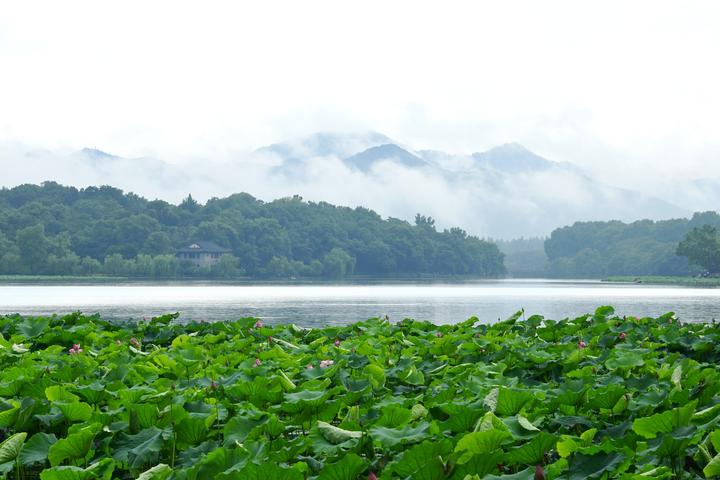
<point>95,154</point>
<point>323,144</point>
<point>389,151</point>
<point>512,157</point>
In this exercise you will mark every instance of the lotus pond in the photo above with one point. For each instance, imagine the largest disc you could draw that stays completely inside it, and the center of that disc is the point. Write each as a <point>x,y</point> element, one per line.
<point>599,396</point>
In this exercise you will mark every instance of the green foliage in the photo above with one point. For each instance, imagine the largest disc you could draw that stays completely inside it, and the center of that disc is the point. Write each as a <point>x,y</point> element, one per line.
<point>645,247</point>
<point>49,229</point>
<point>192,401</point>
<point>701,246</point>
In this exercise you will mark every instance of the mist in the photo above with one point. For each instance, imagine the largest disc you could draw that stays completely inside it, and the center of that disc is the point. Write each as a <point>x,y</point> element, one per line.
<point>507,192</point>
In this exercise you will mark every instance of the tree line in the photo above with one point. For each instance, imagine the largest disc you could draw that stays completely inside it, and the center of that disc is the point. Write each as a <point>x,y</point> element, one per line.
<point>667,247</point>
<point>51,229</point>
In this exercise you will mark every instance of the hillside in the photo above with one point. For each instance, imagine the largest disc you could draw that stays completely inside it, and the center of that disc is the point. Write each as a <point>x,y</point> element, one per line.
<point>53,229</point>
<point>599,249</point>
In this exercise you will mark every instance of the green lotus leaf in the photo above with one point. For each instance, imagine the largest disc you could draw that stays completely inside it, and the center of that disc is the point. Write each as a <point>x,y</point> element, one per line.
<point>376,375</point>
<point>11,446</point>
<point>238,428</point>
<point>75,446</point>
<point>526,474</point>
<point>140,449</point>
<point>533,451</point>
<point>650,427</point>
<point>75,411</point>
<point>36,448</point>
<point>507,402</point>
<point>158,472</point>
<point>423,461</point>
<point>67,472</point>
<point>269,471</point>
<point>349,467</point>
<point>482,442</point>
<point>31,327</point>
<point>336,435</point>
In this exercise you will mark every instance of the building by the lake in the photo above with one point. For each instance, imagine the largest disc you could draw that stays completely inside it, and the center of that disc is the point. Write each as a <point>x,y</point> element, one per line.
<point>202,253</point>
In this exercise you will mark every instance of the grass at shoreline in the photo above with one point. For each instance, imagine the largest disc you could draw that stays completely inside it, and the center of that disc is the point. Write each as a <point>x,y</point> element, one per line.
<point>350,280</point>
<point>598,396</point>
<point>666,280</point>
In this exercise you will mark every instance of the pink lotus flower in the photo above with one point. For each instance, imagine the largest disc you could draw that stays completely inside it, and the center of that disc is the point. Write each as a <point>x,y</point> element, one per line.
<point>372,476</point>
<point>75,349</point>
<point>259,324</point>
<point>438,334</point>
<point>309,366</point>
<point>337,342</point>
<point>582,344</point>
<point>621,336</point>
<point>326,363</point>
<point>134,342</point>
<point>258,362</point>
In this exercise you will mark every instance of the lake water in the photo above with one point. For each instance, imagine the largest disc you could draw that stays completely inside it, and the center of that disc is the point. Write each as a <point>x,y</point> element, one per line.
<point>313,305</point>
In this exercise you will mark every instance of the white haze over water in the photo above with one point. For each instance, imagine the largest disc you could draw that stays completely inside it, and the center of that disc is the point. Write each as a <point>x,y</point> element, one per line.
<point>186,93</point>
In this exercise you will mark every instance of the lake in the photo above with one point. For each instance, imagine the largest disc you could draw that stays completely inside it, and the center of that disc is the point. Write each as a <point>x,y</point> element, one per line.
<point>320,304</point>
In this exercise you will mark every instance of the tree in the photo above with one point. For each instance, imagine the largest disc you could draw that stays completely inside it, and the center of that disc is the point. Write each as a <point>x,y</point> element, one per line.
<point>425,222</point>
<point>701,246</point>
<point>189,204</point>
<point>279,267</point>
<point>116,265</point>
<point>165,266</point>
<point>143,266</point>
<point>89,266</point>
<point>33,247</point>
<point>288,236</point>
<point>226,267</point>
<point>338,263</point>
<point>157,243</point>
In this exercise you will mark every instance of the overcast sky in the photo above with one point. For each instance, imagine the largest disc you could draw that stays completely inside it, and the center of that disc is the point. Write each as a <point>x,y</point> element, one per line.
<point>628,90</point>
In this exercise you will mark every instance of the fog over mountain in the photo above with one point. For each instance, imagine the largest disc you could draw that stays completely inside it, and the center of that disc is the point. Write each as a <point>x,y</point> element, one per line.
<point>507,191</point>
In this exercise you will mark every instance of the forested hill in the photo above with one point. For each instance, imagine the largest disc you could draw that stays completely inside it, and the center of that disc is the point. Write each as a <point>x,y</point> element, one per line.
<point>646,247</point>
<point>58,230</point>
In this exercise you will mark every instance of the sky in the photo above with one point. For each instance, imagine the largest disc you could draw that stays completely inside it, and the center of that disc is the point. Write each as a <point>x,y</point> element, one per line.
<point>626,90</point>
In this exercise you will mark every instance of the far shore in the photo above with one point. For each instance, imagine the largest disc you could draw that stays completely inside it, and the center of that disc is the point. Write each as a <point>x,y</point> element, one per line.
<point>666,280</point>
<point>353,279</point>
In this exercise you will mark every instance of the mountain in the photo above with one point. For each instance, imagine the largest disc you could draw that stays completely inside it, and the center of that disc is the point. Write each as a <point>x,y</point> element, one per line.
<point>97,155</point>
<point>324,145</point>
<point>504,192</point>
<point>507,191</point>
<point>511,157</point>
<point>366,159</point>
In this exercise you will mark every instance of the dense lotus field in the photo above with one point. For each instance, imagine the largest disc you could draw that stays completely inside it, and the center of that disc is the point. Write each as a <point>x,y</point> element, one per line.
<point>595,397</point>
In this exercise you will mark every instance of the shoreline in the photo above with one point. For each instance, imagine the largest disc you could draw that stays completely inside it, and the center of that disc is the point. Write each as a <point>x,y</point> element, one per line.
<point>665,280</point>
